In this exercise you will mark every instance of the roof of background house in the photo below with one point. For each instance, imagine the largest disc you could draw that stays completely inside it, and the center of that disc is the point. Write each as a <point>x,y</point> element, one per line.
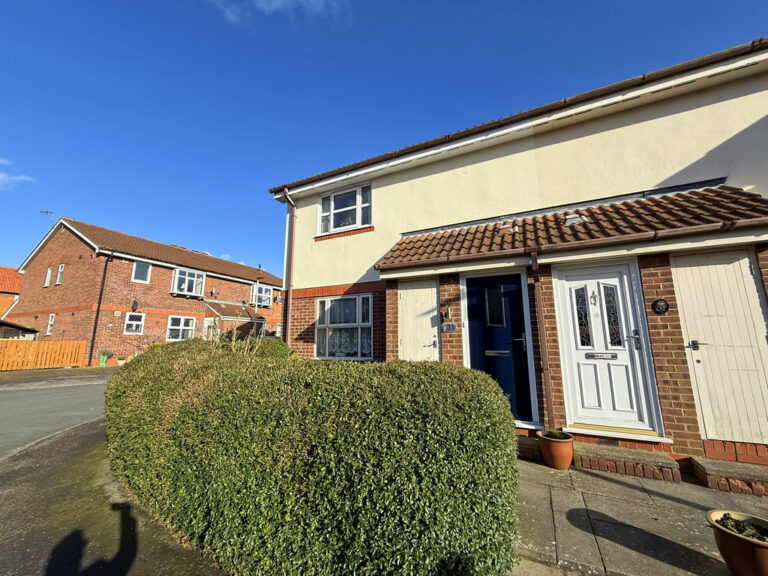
<point>668,72</point>
<point>26,329</point>
<point>10,280</point>
<point>232,310</point>
<point>648,219</point>
<point>110,240</point>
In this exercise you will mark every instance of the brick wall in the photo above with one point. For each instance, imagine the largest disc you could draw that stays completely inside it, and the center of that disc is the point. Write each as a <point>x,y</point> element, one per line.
<point>451,347</point>
<point>391,316</point>
<point>673,381</point>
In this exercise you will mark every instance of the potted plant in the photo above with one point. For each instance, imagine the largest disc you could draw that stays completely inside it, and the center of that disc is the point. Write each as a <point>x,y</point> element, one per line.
<point>556,448</point>
<point>104,355</point>
<point>742,541</point>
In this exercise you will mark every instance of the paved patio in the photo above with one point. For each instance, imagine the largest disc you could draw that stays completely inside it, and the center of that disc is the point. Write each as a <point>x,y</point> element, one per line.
<point>592,522</point>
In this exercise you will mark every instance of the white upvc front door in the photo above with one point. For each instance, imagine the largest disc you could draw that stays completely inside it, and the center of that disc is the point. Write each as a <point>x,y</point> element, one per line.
<point>603,347</point>
<point>418,320</point>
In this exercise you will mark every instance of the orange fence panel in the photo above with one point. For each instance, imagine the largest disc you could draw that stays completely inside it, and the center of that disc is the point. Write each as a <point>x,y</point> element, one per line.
<point>33,354</point>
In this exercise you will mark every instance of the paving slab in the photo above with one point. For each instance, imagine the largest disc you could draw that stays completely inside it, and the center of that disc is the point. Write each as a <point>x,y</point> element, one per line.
<point>576,545</point>
<point>684,494</point>
<point>543,474</point>
<point>535,526</point>
<point>705,467</point>
<point>613,485</point>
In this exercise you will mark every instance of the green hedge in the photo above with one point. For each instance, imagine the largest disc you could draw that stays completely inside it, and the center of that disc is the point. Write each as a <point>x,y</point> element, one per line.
<point>281,466</point>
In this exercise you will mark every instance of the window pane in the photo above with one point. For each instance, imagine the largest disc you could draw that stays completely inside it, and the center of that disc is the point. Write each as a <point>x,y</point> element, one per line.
<point>180,279</point>
<point>612,315</point>
<point>494,305</point>
<point>321,313</point>
<point>322,347</point>
<point>175,322</point>
<point>141,271</point>
<point>174,334</point>
<point>342,342</point>
<point>365,310</point>
<point>343,311</point>
<point>582,316</point>
<point>366,195</point>
<point>325,224</point>
<point>189,322</point>
<point>344,218</point>
<point>326,205</point>
<point>365,216</point>
<point>366,342</point>
<point>344,200</point>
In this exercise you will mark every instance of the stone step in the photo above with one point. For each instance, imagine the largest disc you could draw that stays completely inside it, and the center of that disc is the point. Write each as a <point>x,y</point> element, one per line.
<point>738,477</point>
<point>629,461</point>
<point>528,448</point>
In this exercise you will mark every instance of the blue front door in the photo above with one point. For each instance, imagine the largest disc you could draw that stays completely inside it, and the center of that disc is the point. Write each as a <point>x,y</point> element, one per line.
<point>497,339</point>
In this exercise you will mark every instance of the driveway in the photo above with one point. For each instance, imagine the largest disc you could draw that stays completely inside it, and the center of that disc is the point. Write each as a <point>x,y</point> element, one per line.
<point>35,404</point>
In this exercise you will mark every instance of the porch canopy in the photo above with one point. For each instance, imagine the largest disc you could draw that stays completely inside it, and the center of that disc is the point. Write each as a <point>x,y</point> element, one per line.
<point>232,311</point>
<point>647,219</point>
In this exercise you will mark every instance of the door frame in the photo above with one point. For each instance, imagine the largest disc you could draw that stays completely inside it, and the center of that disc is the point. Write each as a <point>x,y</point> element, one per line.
<point>646,373</point>
<point>436,280</point>
<point>535,424</point>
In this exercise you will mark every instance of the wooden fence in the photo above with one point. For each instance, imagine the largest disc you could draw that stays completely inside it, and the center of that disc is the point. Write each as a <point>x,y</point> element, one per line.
<point>31,354</point>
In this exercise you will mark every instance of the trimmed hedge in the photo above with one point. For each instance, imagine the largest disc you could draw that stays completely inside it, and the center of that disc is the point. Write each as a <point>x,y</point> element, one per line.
<point>281,466</point>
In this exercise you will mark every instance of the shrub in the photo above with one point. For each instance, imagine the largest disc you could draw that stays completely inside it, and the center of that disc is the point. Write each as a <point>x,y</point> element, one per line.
<point>281,466</point>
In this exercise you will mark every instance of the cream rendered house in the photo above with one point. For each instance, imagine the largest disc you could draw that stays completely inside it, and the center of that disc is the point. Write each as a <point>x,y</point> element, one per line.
<point>602,257</point>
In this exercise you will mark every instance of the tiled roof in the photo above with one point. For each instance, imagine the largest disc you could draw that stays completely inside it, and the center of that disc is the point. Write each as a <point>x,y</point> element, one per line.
<point>231,310</point>
<point>110,240</point>
<point>756,45</point>
<point>10,280</point>
<point>641,220</point>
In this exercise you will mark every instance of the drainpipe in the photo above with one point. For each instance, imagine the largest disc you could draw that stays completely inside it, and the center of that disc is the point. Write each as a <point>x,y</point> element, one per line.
<point>289,255</point>
<point>98,307</point>
<point>545,374</point>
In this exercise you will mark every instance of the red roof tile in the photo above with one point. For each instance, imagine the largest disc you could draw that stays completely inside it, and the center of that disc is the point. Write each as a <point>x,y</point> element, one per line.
<point>648,219</point>
<point>10,280</point>
<point>110,240</point>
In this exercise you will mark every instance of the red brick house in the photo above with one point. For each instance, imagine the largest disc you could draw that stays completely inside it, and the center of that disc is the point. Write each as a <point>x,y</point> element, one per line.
<point>123,293</point>
<point>10,286</point>
<point>604,257</point>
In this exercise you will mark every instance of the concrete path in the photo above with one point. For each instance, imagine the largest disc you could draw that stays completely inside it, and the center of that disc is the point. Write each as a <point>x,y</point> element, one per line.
<point>36,404</point>
<point>598,523</point>
<point>61,514</point>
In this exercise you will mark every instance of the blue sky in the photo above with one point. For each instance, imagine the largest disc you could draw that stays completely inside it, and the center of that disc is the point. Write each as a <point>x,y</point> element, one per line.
<point>171,119</point>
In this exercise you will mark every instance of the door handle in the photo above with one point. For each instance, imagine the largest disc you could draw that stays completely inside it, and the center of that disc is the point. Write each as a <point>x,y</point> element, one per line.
<point>694,344</point>
<point>433,345</point>
<point>636,337</point>
<point>523,341</point>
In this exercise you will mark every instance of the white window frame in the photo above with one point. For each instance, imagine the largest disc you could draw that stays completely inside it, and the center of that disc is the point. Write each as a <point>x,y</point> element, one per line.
<point>48,275</point>
<point>359,205</point>
<point>279,331</point>
<point>359,325</point>
<point>187,271</point>
<point>128,321</point>
<point>181,328</point>
<point>263,300</point>
<point>149,273</point>
<point>49,328</point>
<point>59,275</point>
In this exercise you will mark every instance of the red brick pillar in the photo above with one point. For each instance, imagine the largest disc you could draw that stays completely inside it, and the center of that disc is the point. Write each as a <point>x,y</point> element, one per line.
<point>390,315</point>
<point>673,380</point>
<point>451,346</point>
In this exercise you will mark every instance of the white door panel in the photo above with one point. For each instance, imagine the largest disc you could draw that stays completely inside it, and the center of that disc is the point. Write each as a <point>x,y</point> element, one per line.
<point>722,307</point>
<point>418,320</point>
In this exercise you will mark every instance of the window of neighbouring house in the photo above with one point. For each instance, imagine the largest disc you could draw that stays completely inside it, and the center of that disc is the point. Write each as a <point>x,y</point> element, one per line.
<point>134,323</point>
<point>190,282</point>
<point>180,328</point>
<point>48,275</point>
<point>345,210</point>
<point>344,328</point>
<point>279,330</point>
<point>261,295</point>
<point>51,319</point>
<point>141,272</point>
<point>59,274</point>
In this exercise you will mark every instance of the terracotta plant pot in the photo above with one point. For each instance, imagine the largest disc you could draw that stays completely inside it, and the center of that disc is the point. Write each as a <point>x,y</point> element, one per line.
<point>743,556</point>
<point>557,453</point>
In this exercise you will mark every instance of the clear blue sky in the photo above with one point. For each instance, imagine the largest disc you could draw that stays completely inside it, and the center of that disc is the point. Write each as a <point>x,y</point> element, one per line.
<point>170,119</point>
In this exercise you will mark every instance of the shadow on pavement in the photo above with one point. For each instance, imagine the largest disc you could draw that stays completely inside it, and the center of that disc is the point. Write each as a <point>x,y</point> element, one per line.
<point>643,542</point>
<point>66,557</point>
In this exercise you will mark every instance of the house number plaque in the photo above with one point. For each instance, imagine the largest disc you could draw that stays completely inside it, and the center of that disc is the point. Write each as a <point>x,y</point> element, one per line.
<point>450,327</point>
<point>660,306</point>
<point>601,356</point>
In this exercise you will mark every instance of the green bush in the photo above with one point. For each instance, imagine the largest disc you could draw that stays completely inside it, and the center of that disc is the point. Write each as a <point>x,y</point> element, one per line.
<point>281,466</point>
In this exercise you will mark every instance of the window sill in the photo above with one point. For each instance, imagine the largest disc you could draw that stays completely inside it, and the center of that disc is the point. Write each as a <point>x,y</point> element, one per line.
<point>331,235</point>
<point>186,295</point>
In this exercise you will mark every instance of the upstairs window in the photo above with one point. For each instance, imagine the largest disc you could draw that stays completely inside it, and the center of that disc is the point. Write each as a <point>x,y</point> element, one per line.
<point>141,272</point>
<point>261,295</point>
<point>188,282</point>
<point>344,328</point>
<point>59,274</point>
<point>180,328</point>
<point>345,210</point>
<point>48,275</point>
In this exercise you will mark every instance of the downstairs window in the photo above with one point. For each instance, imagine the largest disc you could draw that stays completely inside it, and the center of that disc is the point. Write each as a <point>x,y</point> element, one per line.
<point>344,328</point>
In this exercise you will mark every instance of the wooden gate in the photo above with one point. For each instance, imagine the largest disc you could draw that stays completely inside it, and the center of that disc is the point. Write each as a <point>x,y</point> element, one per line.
<point>32,354</point>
